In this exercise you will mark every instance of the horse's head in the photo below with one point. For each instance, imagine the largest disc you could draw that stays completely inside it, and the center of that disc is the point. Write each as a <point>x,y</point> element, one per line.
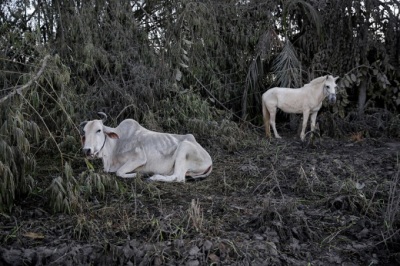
<point>330,88</point>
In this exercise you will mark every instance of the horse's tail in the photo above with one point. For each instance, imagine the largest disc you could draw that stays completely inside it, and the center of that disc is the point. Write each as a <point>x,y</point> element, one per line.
<point>266,118</point>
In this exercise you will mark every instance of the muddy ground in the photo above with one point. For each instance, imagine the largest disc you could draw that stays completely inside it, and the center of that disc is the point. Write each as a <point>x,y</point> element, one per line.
<point>266,203</point>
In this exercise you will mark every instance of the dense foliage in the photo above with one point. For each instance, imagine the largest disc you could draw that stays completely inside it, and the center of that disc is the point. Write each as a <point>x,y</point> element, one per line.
<point>180,64</point>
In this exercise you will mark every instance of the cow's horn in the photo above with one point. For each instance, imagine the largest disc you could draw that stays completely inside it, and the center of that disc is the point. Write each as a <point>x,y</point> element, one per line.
<point>103,115</point>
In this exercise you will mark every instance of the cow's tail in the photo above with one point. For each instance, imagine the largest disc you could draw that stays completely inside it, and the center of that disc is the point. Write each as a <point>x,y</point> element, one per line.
<point>200,175</point>
<point>208,171</point>
<point>266,118</point>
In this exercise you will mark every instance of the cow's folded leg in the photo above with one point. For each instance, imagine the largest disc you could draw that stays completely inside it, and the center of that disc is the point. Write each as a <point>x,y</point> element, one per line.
<point>169,178</point>
<point>127,170</point>
<point>180,167</point>
<point>126,175</point>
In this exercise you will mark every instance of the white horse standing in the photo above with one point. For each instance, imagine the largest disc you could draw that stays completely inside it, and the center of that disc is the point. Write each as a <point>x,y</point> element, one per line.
<point>307,100</point>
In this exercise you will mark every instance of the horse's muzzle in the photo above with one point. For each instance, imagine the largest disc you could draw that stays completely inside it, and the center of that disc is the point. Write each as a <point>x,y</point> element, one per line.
<point>332,98</point>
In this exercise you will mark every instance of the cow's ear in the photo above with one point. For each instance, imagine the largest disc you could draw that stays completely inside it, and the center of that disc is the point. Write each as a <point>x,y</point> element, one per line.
<point>112,135</point>
<point>81,126</point>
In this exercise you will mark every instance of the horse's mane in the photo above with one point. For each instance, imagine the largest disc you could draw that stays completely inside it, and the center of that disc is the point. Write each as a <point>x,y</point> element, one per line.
<point>316,81</point>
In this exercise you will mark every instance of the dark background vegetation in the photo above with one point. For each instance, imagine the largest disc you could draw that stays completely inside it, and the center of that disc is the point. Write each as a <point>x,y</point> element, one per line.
<point>178,66</point>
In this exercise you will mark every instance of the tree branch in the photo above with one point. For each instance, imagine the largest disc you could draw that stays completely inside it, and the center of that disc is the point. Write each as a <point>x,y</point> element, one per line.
<point>20,89</point>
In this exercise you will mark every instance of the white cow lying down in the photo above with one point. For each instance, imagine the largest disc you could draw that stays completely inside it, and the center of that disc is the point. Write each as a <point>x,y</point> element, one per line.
<point>130,148</point>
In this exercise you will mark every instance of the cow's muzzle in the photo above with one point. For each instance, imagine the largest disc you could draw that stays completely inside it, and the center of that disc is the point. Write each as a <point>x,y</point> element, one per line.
<point>87,151</point>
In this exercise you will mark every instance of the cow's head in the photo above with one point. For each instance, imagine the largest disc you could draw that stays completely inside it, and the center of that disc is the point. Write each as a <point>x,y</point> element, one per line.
<point>94,136</point>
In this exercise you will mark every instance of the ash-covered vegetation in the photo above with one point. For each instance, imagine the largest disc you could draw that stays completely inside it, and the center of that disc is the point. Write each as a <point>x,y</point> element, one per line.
<point>200,67</point>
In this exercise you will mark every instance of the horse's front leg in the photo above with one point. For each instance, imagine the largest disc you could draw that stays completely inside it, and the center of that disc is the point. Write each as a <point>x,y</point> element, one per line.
<point>313,120</point>
<point>306,114</point>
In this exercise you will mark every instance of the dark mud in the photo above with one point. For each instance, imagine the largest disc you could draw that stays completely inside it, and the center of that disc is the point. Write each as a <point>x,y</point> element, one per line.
<point>266,203</point>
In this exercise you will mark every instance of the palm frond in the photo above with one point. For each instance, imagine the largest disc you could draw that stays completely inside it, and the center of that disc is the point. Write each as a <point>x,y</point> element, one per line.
<point>307,8</point>
<point>265,49</point>
<point>287,67</point>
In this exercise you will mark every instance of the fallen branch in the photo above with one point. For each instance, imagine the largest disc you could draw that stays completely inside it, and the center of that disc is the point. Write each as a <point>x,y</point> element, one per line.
<point>20,89</point>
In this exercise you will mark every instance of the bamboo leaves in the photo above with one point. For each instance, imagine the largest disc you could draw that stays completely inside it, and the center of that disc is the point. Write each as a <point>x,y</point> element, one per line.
<point>64,192</point>
<point>16,160</point>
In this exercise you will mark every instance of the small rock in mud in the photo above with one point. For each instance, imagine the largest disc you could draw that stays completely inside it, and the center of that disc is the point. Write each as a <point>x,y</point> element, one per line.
<point>273,251</point>
<point>179,243</point>
<point>193,263</point>
<point>258,237</point>
<point>213,258</point>
<point>194,251</point>
<point>207,245</point>
<point>157,261</point>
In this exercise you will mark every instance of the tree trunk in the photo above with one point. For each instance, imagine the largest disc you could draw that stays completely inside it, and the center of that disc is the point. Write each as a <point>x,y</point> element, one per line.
<point>362,97</point>
<point>364,47</point>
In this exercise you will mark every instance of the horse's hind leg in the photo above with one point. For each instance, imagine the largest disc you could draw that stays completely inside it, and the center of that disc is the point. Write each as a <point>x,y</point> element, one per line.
<point>272,112</point>
<point>266,118</point>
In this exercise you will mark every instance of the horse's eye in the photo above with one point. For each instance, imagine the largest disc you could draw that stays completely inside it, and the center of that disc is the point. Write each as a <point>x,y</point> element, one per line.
<point>98,131</point>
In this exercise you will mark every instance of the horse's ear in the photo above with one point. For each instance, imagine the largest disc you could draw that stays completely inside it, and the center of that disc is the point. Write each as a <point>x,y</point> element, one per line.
<point>336,78</point>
